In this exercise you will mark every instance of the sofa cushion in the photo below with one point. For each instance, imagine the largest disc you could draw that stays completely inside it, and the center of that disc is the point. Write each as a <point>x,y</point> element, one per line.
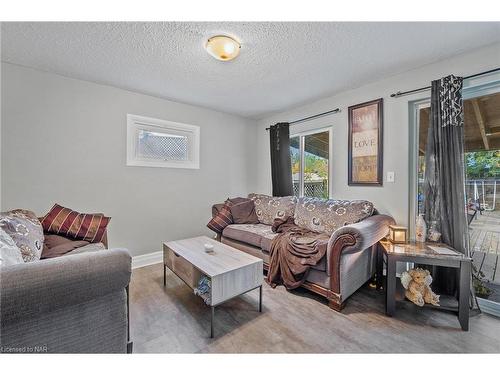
<point>25,229</point>
<point>9,252</point>
<point>249,233</point>
<point>267,238</point>
<point>327,215</point>
<point>68,223</point>
<point>269,208</point>
<point>261,236</point>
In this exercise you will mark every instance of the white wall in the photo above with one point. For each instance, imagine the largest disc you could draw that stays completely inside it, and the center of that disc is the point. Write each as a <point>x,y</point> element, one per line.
<point>64,141</point>
<point>392,198</point>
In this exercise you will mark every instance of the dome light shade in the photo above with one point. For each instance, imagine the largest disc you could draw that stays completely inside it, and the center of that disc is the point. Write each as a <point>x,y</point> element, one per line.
<point>223,47</point>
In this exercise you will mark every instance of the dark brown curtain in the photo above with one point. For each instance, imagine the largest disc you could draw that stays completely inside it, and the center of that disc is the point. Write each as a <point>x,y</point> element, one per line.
<point>444,182</point>
<point>281,165</point>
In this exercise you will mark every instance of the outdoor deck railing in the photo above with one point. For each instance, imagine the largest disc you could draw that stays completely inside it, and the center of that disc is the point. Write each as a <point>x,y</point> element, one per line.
<point>485,192</point>
<point>312,188</point>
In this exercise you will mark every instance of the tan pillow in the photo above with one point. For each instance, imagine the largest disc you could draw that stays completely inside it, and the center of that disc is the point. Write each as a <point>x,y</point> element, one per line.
<point>327,215</point>
<point>269,208</point>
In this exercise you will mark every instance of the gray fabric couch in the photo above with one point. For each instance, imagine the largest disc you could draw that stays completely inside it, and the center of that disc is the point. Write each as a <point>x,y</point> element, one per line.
<point>76,303</point>
<point>349,263</point>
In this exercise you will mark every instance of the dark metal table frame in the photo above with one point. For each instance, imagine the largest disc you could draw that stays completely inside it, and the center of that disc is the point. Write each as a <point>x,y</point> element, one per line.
<point>391,259</point>
<point>212,308</point>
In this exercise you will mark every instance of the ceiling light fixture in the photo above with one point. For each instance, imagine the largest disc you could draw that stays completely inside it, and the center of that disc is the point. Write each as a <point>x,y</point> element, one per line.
<point>223,47</point>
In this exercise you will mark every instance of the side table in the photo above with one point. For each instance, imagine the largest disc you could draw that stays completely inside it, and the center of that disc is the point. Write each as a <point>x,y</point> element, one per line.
<point>422,253</point>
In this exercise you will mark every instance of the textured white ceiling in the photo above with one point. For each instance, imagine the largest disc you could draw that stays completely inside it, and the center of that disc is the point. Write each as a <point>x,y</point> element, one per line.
<point>281,65</point>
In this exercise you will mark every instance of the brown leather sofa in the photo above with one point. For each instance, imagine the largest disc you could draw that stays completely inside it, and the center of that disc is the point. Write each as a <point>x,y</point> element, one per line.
<point>349,263</point>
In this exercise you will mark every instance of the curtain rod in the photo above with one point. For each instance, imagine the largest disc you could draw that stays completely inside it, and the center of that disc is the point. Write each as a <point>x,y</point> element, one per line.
<point>401,93</point>
<point>336,110</point>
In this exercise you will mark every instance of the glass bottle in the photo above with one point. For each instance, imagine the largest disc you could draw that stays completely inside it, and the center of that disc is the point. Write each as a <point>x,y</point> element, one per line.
<point>420,229</point>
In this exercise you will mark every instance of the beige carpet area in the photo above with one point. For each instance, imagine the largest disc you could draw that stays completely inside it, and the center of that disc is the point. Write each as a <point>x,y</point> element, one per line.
<point>172,320</point>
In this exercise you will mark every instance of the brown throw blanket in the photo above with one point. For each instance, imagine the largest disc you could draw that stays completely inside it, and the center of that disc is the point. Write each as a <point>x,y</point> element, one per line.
<point>293,251</point>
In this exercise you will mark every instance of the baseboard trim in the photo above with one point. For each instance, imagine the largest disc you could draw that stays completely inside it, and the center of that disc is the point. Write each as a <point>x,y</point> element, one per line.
<point>147,259</point>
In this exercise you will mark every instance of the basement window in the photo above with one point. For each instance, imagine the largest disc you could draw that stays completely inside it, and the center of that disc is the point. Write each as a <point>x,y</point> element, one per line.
<point>160,143</point>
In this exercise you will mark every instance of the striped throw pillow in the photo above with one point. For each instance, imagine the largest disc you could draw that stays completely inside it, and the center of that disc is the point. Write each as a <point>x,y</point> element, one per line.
<point>222,219</point>
<point>68,223</point>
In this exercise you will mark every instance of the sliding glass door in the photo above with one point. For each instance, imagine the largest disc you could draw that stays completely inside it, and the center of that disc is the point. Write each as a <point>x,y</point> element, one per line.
<point>482,186</point>
<point>310,154</point>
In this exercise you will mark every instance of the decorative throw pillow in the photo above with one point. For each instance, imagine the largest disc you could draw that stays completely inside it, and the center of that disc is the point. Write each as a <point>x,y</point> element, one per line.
<point>68,223</point>
<point>55,246</point>
<point>244,213</point>
<point>327,215</point>
<point>222,219</point>
<point>88,248</point>
<point>9,252</point>
<point>25,229</point>
<point>269,208</point>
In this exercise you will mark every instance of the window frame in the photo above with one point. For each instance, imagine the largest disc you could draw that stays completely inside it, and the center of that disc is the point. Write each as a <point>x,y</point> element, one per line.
<point>415,107</point>
<point>302,135</point>
<point>136,123</point>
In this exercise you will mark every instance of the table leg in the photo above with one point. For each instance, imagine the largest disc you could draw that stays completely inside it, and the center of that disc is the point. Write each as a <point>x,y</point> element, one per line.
<point>127,290</point>
<point>212,322</point>
<point>390,293</point>
<point>463,296</point>
<point>260,298</point>
<point>379,267</point>
<point>164,275</point>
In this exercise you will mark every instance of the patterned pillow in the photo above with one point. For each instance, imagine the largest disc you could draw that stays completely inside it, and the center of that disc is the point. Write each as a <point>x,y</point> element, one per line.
<point>9,252</point>
<point>68,223</point>
<point>26,231</point>
<point>269,208</point>
<point>222,219</point>
<point>327,215</point>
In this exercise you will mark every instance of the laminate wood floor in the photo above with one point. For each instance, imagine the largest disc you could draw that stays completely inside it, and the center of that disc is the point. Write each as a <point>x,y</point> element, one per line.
<point>172,320</point>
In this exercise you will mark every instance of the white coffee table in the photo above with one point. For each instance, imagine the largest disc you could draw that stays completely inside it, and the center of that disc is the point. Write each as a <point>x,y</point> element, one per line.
<point>231,272</point>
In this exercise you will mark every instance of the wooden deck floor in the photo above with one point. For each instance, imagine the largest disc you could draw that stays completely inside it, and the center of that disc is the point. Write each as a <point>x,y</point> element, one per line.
<point>485,243</point>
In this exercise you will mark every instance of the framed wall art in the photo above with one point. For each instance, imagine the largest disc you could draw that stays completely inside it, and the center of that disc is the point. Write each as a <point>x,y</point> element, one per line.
<point>365,144</point>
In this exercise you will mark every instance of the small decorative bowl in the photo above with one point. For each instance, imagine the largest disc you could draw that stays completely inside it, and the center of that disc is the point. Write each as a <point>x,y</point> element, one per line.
<point>209,248</point>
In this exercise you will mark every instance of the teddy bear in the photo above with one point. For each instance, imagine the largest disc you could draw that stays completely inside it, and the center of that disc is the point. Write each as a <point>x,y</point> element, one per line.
<point>417,283</point>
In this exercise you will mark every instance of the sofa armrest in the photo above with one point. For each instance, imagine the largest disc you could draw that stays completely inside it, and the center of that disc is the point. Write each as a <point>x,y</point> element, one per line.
<point>353,238</point>
<point>216,208</point>
<point>365,233</point>
<point>32,289</point>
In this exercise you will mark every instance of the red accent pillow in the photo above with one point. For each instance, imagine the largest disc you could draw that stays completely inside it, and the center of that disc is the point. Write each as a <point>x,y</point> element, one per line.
<point>222,219</point>
<point>68,223</point>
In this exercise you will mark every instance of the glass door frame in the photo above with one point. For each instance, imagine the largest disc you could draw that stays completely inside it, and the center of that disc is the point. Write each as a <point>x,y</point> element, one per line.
<point>302,136</point>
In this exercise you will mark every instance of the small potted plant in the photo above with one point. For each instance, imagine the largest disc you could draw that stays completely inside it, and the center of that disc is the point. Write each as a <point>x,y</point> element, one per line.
<point>479,283</point>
